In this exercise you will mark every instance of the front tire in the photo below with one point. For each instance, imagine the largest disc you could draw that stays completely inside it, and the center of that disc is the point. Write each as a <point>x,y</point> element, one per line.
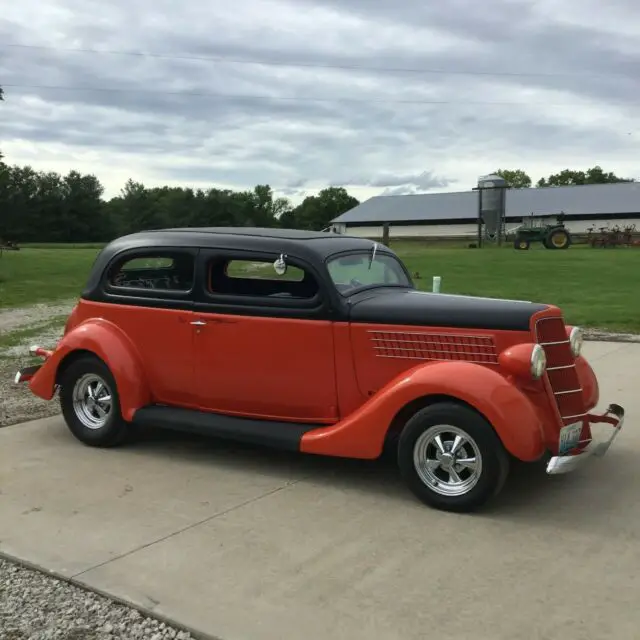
<point>451,458</point>
<point>90,403</point>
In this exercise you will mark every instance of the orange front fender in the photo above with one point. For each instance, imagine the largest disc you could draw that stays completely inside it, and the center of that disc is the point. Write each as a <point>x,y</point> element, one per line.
<point>111,345</point>
<point>503,404</point>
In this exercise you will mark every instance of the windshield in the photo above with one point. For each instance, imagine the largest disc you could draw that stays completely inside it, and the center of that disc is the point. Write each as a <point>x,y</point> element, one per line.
<point>354,271</point>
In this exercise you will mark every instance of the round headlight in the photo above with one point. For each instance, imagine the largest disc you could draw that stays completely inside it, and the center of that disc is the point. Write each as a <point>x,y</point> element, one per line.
<point>538,362</point>
<point>576,338</point>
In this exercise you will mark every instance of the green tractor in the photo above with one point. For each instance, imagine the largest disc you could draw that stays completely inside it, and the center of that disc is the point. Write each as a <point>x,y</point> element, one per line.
<point>553,235</point>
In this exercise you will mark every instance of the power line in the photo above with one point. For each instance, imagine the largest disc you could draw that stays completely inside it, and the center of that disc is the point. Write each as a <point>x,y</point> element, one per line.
<point>304,65</point>
<point>248,96</point>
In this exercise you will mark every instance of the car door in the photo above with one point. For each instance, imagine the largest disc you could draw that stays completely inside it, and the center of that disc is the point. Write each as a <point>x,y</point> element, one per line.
<point>264,342</point>
<point>148,295</point>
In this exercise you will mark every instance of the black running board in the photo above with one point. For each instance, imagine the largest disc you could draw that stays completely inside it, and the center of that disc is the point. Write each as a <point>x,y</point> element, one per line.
<point>278,435</point>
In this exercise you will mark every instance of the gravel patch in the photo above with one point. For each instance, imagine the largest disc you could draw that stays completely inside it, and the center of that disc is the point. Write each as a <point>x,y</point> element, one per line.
<point>17,403</point>
<point>12,319</point>
<point>36,606</point>
<point>45,335</point>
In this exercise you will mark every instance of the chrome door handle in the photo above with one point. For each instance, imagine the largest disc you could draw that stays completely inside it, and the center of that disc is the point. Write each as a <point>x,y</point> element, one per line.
<point>198,323</point>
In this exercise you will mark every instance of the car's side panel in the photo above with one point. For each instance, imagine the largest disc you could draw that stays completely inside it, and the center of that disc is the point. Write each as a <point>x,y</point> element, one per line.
<point>147,292</point>
<point>517,421</point>
<point>105,340</point>
<point>382,352</point>
<point>163,338</point>
<point>260,355</point>
<point>350,397</point>
<point>273,368</point>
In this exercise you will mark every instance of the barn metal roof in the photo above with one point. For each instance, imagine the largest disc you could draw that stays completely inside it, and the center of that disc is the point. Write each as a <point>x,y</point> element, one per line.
<point>587,200</point>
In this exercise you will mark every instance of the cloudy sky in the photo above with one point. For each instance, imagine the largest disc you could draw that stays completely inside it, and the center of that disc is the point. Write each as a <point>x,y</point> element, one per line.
<point>379,96</point>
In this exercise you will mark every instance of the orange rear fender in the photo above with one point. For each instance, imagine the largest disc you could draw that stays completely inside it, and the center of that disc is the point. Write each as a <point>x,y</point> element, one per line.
<point>362,434</point>
<point>110,344</point>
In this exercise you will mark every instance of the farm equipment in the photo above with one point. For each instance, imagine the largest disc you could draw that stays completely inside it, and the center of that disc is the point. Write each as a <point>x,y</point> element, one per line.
<point>615,236</point>
<point>553,235</point>
<point>8,245</point>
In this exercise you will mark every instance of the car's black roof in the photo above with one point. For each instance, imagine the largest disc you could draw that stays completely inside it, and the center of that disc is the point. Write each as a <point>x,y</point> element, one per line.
<point>264,232</point>
<point>312,244</point>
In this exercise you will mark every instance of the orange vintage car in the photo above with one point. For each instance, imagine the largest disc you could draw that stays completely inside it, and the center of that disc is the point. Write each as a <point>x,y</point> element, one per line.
<point>320,343</point>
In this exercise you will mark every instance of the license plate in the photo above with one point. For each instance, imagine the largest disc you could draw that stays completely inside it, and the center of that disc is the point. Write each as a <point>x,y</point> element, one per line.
<point>569,437</point>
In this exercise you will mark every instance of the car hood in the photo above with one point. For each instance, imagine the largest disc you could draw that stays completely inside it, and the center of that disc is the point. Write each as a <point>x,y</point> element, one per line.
<point>412,307</point>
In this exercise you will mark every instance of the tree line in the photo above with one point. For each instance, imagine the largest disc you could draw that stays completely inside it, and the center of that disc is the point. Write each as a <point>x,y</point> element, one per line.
<point>38,206</point>
<point>520,179</point>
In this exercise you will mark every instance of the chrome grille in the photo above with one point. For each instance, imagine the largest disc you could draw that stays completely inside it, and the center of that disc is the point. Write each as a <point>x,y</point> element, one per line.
<point>561,373</point>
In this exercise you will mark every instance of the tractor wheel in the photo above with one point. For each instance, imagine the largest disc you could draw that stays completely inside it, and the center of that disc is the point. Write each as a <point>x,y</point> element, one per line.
<point>521,244</point>
<point>558,239</point>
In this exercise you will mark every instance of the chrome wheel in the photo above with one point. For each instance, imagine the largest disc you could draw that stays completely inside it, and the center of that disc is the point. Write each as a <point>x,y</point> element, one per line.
<point>92,401</point>
<point>447,460</point>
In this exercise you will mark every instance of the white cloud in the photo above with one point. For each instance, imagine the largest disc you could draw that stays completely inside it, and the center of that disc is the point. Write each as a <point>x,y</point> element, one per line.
<point>535,85</point>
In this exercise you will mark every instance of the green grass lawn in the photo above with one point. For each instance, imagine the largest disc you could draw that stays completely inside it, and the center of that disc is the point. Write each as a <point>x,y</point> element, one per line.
<point>595,287</point>
<point>30,275</point>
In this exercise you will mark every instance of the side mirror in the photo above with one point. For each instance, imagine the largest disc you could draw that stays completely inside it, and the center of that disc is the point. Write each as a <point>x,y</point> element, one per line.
<point>280,266</point>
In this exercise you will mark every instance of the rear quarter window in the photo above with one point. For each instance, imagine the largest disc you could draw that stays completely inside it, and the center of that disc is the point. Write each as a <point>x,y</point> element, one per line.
<point>153,271</point>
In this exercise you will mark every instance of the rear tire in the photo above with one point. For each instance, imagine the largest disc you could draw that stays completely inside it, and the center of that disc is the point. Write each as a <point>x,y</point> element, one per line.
<point>558,239</point>
<point>451,458</point>
<point>90,403</point>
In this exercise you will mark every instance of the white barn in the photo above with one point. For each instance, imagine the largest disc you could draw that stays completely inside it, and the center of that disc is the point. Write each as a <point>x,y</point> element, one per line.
<point>456,214</point>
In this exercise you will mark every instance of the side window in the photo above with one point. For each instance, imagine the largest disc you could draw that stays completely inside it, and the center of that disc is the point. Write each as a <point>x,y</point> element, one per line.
<point>258,278</point>
<point>165,272</point>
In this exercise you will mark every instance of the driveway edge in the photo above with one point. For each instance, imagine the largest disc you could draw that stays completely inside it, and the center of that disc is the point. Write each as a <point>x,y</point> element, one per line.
<point>26,564</point>
<point>594,335</point>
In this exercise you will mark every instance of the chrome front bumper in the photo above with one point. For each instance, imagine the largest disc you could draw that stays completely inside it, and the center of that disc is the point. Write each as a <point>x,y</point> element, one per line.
<point>613,416</point>
<point>26,373</point>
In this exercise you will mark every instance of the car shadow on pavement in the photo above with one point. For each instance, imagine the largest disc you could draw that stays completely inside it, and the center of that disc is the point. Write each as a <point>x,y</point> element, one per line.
<point>529,496</point>
<point>594,498</point>
<point>376,476</point>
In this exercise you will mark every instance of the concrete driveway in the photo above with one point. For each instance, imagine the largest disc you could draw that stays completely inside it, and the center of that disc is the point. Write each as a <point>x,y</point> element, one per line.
<point>248,544</point>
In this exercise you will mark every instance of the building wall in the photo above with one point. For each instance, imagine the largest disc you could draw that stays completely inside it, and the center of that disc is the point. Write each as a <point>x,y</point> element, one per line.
<point>470,230</point>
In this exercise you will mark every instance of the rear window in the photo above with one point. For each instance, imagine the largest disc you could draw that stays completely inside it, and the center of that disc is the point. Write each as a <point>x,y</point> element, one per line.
<point>156,271</point>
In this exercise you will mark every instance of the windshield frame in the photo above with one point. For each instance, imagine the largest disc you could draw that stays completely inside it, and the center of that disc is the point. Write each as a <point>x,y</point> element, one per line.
<point>380,250</point>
